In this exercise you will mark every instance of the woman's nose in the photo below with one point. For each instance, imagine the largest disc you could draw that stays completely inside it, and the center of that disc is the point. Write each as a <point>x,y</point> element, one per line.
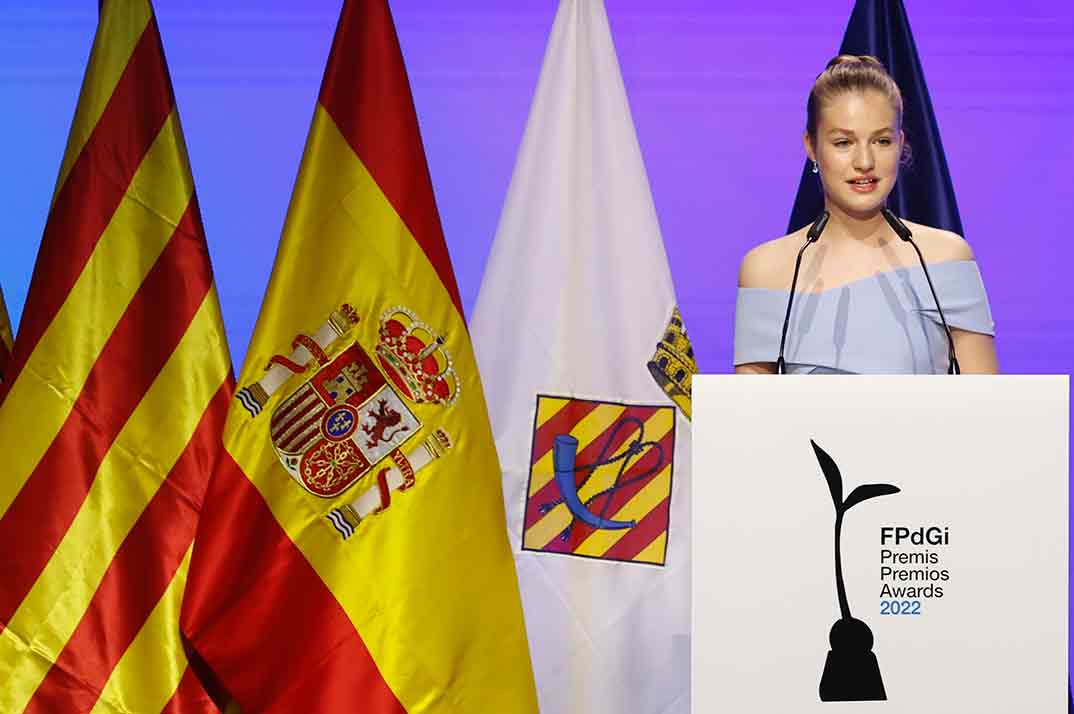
<point>863,158</point>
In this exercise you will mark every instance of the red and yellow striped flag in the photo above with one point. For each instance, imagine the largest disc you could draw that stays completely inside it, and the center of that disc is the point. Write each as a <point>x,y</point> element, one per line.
<point>352,554</point>
<point>5,337</point>
<point>115,404</point>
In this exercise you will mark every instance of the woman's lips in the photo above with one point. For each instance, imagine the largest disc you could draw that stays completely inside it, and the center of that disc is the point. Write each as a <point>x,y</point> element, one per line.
<point>863,185</point>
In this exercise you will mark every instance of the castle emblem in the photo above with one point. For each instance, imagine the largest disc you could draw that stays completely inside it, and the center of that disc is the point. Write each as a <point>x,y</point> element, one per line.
<point>673,365</point>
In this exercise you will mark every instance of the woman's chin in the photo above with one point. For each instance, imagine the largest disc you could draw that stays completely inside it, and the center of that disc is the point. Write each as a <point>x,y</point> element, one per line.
<point>859,206</point>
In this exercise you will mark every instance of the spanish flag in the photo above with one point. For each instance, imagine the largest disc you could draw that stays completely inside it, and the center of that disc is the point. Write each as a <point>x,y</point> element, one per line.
<point>5,337</point>
<point>116,398</point>
<point>352,554</point>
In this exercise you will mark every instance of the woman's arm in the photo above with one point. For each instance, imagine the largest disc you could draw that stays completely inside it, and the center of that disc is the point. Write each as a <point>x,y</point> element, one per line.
<point>976,353</point>
<point>757,271</point>
<point>757,368</point>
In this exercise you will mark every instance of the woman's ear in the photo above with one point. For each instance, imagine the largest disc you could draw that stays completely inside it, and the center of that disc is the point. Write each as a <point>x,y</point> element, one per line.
<point>807,142</point>
<point>904,149</point>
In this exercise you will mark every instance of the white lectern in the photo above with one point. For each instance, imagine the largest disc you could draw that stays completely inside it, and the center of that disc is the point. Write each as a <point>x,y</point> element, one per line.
<point>887,544</point>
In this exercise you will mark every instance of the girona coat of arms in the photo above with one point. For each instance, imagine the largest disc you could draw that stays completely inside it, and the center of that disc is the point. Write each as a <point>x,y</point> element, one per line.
<point>352,410</point>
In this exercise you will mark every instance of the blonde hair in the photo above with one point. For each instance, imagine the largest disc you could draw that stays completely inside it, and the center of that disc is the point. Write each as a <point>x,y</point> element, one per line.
<point>850,73</point>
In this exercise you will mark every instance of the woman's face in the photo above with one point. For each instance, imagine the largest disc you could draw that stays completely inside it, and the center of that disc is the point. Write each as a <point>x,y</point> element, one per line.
<point>857,149</point>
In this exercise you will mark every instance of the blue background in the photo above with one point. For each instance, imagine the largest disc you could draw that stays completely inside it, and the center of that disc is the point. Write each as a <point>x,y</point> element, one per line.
<point>718,93</point>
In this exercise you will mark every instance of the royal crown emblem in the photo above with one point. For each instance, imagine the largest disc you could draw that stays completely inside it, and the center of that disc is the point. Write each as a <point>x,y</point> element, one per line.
<point>673,365</point>
<point>415,360</point>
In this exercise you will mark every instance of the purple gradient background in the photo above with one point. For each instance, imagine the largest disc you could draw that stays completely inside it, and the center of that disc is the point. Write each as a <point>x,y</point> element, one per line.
<point>717,89</point>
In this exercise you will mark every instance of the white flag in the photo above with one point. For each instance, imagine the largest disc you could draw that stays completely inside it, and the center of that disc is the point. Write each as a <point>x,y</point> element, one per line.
<point>586,368</point>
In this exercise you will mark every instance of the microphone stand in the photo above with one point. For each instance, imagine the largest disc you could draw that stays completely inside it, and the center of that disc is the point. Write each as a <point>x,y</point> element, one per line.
<point>904,233</point>
<point>811,237</point>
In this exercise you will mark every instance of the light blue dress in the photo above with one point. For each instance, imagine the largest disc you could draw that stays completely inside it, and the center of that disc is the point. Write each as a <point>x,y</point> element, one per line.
<point>883,324</point>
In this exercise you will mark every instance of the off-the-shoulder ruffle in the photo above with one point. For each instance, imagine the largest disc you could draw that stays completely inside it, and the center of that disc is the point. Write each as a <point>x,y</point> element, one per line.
<point>882,324</point>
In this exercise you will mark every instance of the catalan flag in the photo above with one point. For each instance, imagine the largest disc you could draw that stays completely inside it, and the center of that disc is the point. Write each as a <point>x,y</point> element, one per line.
<point>5,337</point>
<point>115,402</point>
<point>352,554</point>
<point>588,367</point>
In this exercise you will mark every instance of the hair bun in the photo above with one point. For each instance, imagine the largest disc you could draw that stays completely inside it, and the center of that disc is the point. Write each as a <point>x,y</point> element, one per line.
<point>854,59</point>
<point>850,73</point>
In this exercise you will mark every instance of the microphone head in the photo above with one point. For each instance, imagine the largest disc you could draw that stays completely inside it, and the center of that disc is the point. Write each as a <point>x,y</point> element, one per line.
<point>817,228</point>
<point>896,225</point>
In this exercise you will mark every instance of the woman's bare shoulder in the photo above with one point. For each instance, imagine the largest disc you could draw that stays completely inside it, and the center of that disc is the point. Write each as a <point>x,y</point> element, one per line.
<point>770,264</point>
<point>938,245</point>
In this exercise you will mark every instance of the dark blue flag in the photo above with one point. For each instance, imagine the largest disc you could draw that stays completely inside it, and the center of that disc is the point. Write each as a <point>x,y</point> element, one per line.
<point>923,192</point>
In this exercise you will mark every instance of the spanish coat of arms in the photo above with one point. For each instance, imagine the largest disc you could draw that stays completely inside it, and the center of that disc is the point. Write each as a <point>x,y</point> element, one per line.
<point>352,412</point>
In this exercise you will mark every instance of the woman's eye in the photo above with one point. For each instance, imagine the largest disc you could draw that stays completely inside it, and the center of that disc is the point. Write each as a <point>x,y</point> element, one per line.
<point>884,142</point>
<point>842,143</point>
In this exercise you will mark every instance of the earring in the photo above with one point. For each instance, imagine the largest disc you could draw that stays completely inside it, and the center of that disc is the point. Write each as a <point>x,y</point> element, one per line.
<point>816,169</point>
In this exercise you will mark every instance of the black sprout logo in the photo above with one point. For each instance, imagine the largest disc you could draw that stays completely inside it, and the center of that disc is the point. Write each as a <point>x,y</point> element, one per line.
<point>851,672</point>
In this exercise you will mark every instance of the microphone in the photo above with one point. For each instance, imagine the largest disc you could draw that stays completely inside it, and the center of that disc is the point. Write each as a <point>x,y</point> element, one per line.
<point>811,237</point>
<point>904,233</point>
